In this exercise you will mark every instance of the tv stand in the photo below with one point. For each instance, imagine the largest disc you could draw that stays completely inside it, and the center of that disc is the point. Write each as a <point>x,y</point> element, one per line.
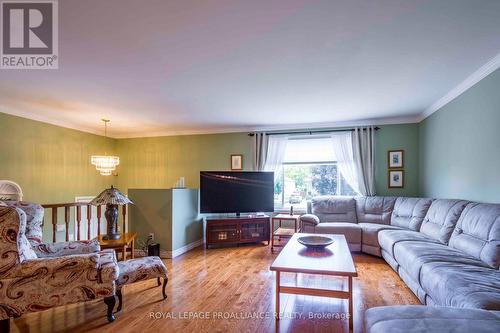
<point>237,230</point>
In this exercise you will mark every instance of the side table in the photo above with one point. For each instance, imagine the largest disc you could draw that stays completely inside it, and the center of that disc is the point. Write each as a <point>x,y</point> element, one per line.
<point>281,232</point>
<point>126,240</point>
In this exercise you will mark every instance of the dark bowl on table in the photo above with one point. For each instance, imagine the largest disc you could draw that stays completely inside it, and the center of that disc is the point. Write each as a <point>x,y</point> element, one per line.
<point>315,242</point>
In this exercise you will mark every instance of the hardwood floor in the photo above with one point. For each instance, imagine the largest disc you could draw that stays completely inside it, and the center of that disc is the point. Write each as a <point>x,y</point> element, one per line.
<point>235,291</point>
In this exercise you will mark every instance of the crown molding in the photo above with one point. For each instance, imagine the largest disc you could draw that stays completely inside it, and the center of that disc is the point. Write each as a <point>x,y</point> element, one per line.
<point>470,81</point>
<point>216,130</point>
<point>219,130</point>
<point>465,85</point>
<point>51,121</point>
<point>289,127</point>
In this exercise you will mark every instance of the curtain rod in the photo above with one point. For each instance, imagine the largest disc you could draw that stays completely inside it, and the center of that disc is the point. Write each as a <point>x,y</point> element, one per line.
<point>311,132</point>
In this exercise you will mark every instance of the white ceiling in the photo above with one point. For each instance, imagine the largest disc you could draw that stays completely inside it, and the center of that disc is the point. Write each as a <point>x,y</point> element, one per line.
<point>160,67</point>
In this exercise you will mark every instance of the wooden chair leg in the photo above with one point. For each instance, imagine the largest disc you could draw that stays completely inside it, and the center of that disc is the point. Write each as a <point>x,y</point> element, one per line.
<point>165,281</point>
<point>110,302</point>
<point>5,325</point>
<point>120,300</point>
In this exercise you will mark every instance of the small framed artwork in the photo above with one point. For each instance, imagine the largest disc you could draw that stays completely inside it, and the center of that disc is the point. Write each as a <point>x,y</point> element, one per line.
<point>396,158</point>
<point>396,178</point>
<point>236,162</point>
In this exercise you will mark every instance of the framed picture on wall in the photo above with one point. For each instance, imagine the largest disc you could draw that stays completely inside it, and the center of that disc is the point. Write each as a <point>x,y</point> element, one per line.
<point>236,162</point>
<point>396,159</point>
<point>396,178</point>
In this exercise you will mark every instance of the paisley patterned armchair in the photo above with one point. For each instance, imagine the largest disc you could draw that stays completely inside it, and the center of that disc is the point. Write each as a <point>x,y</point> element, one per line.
<point>35,276</point>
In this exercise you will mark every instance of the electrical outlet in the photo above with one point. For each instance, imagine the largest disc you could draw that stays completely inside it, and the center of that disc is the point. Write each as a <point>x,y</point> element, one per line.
<point>151,236</point>
<point>61,227</point>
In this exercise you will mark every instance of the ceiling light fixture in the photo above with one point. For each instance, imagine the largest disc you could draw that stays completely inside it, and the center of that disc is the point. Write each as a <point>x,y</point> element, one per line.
<point>103,163</point>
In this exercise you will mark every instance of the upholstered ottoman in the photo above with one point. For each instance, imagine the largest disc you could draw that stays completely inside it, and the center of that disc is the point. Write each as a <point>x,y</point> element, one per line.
<point>140,269</point>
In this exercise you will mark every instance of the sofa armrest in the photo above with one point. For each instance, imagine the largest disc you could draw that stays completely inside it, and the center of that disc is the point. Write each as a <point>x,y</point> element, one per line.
<point>49,250</point>
<point>309,219</point>
<point>60,266</point>
<point>108,266</point>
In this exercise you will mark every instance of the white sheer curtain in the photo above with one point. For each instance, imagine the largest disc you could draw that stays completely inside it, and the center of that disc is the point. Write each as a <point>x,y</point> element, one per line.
<point>363,143</point>
<point>269,151</point>
<point>276,146</point>
<point>342,146</point>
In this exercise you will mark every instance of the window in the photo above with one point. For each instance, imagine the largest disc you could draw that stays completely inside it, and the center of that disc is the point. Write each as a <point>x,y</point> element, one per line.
<point>309,169</point>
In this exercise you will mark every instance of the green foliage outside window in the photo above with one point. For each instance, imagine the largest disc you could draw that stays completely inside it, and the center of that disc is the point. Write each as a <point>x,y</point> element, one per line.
<point>297,183</point>
<point>324,179</point>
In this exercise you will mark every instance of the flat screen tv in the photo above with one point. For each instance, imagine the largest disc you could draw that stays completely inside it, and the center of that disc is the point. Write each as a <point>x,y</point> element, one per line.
<point>236,192</point>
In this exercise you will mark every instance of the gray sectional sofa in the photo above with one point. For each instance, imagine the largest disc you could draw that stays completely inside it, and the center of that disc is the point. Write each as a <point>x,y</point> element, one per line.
<point>430,319</point>
<point>446,251</point>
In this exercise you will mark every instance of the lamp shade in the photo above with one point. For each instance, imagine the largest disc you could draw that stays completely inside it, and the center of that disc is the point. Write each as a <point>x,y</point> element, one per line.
<point>111,196</point>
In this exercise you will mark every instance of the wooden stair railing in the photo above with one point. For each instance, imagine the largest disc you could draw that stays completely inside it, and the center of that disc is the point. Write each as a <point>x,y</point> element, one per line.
<point>78,215</point>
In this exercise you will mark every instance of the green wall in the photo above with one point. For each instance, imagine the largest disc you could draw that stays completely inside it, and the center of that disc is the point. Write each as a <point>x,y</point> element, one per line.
<point>51,163</point>
<point>460,146</point>
<point>152,213</point>
<point>171,214</point>
<point>187,223</point>
<point>397,137</point>
<point>454,153</point>
<point>158,162</point>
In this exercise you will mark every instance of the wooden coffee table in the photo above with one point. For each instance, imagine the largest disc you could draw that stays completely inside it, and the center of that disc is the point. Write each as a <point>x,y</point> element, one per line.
<point>126,240</point>
<point>334,260</point>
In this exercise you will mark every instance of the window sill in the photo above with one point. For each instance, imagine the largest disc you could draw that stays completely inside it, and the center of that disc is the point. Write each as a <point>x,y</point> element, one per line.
<point>299,211</point>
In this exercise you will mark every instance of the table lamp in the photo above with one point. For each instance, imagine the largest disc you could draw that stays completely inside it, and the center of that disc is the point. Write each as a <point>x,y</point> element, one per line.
<point>111,197</point>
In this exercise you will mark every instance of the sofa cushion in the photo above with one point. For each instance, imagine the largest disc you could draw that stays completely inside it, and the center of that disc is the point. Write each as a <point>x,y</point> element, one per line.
<point>442,218</point>
<point>370,232</point>
<point>413,255</point>
<point>410,212</point>
<point>15,247</point>
<point>370,249</point>
<point>420,319</point>
<point>334,209</point>
<point>388,238</point>
<point>462,286</point>
<point>369,237</point>
<point>478,233</point>
<point>351,231</point>
<point>47,250</point>
<point>412,284</point>
<point>389,259</point>
<point>374,209</point>
<point>34,219</point>
<point>140,269</point>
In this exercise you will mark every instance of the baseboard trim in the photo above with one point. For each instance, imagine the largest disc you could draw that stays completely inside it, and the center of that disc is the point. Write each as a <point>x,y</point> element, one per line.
<point>164,254</point>
<point>186,248</point>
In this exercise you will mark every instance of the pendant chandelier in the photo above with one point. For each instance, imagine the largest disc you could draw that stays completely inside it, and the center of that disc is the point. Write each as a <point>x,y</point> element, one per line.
<point>103,163</point>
